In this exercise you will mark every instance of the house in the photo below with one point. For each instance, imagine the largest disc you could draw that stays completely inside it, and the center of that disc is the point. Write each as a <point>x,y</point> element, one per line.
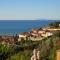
<point>53,29</point>
<point>24,36</point>
<point>59,25</point>
<point>34,35</point>
<point>47,33</point>
<point>34,31</point>
<point>40,30</point>
<point>21,37</point>
<point>8,39</point>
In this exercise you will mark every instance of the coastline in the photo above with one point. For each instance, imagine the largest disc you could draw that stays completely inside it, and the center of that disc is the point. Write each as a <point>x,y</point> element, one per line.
<point>19,26</point>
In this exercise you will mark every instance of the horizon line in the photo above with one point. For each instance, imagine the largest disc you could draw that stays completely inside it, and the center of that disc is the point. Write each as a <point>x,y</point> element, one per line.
<point>29,19</point>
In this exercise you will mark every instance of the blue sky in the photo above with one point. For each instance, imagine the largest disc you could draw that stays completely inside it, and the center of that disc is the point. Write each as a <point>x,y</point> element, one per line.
<point>29,9</point>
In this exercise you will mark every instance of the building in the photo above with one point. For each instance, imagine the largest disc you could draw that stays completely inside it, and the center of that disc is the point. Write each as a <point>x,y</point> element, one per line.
<point>34,31</point>
<point>24,36</point>
<point>21,37</point>
<point>9,39</point>
<point>59,25</point>
<point>47,34</point>
<point>41,31</point>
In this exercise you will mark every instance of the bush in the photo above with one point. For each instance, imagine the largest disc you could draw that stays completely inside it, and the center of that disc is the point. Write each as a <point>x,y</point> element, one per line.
<point>5,52</point>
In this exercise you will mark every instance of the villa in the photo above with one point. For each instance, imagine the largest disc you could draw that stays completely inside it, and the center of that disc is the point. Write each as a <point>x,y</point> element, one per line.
<point>35,35</point>
<point>22,37</point>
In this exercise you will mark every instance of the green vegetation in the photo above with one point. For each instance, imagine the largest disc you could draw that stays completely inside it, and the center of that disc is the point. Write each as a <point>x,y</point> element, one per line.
<point>55,24</point>
<point>25,55</point>
<point>5,51</point>
<point>23,50</point>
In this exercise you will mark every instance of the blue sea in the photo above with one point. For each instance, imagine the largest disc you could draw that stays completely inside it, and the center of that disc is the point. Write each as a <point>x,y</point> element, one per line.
<point>19,26</point>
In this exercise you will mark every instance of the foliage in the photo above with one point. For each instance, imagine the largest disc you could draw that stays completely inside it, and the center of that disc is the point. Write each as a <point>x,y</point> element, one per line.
<point>5,51</point>
<point>21,56</point>
<point>24,49</point>
<point>55,24</point>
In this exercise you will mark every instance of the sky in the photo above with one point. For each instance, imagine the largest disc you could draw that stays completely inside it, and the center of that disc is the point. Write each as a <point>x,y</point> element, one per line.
<point>29,9</point>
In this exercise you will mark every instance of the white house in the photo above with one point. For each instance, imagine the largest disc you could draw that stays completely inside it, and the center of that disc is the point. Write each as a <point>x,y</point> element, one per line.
<point>41,31</point>
<point>22,37</point>
<point>47,34</point>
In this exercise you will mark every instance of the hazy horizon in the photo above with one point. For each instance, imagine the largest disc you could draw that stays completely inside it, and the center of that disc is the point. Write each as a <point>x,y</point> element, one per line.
<point>29,9</point>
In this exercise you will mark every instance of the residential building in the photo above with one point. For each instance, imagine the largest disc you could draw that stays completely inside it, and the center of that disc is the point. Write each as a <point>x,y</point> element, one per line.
<point>21,37</point>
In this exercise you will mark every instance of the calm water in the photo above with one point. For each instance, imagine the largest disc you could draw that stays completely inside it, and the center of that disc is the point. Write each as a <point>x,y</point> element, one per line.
<point>18,26</point>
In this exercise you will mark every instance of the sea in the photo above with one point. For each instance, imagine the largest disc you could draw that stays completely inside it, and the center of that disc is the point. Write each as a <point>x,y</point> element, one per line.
<point>13,27</point>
